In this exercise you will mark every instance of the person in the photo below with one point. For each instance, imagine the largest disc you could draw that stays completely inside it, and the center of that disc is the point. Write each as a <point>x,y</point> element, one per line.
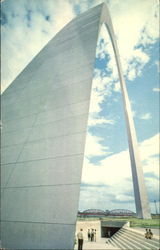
<point>109,233</point>
<point>150,234</point>
<point>89,235</point>
<point>95,235</point>
<point>92,235</point>
<point>80,239</point>
<point>146,234</point>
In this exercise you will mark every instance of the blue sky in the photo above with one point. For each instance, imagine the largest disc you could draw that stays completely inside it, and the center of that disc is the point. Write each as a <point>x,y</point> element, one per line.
<point>27,25</point>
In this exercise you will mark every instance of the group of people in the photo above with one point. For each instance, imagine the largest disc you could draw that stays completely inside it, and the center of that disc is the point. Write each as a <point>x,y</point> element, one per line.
<point>91,234</point>
<point>91,237</point>
<point>148,234</point>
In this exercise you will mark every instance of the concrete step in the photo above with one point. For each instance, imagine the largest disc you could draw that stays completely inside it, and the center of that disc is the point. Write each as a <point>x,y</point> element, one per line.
<point>140,233</point>
<point>138,243</point>
<point>153,241</point>
<point>141,237</point>
<point>111,241</point>
<point>127,244</point>
<point>126,239</point>
<point>117,243</point>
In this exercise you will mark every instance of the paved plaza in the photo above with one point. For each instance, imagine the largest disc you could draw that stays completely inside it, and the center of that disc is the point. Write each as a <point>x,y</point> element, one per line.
<point>100,244</point>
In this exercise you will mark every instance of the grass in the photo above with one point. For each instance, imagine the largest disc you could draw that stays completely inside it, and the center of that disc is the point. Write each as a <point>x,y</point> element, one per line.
<point>134,222</point>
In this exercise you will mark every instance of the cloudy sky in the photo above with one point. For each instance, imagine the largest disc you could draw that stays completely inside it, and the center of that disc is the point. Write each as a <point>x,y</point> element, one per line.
<point>27,25</point>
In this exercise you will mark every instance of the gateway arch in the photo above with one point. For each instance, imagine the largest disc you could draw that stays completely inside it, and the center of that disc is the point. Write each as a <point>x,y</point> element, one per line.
<point>44,122</point>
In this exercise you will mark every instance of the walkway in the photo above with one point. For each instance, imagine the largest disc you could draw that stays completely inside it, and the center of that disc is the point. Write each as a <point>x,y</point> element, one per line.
<point>100,245</point>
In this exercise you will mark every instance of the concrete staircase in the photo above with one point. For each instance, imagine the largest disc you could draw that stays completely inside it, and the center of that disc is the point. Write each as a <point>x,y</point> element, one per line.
<point>130,240</point>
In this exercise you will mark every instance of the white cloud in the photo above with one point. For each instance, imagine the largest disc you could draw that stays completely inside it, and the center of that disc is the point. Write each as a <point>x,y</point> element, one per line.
<point>140,56</point>
<point>96,100</point>
<point>146,116</point>
<point>133,59</point>
<point>156,89</point>
<point>107,199</point>
<point>149,151</point>
<point>23,39</point>
<point>123,197</point>
<point>111,169</point>
<point>118,165</point>
<point>99,121</point>
<point>134,23</point>
<point>132,74</point>
<point>117,87</point>
<point>135,65</point>
<point>94,146</point>
<point>113,175</point>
